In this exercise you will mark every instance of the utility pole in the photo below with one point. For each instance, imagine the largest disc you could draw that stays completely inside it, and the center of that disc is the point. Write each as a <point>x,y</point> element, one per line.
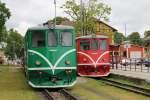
<point>55,14</point>
<point>126,43</point>
<point>81,15</point>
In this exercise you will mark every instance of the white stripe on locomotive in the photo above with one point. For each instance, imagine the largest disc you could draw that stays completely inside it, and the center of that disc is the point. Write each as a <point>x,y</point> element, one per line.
<point>57,62</point>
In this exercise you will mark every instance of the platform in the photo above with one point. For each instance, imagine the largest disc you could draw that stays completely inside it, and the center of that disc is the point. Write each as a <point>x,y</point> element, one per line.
<point>139,75</point>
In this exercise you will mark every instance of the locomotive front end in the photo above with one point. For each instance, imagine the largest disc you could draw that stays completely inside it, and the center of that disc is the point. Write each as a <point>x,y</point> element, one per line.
<point>51,59</point>
<point>93,56</point>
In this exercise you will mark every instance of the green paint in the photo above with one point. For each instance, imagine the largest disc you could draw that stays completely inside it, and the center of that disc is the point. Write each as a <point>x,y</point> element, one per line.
<point>52,54</point>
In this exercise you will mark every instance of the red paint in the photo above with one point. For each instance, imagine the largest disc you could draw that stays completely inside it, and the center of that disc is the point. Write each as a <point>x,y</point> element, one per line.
<point>95,68</point>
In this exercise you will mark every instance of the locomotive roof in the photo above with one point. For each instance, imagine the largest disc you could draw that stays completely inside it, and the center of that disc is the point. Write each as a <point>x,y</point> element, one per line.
<point>92,36</point>
<point>41,27</point>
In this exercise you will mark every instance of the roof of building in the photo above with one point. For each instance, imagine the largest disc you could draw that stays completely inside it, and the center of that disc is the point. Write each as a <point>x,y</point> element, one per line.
<point>71,23</point>
<point>114,29</point>
<point>147,38</point>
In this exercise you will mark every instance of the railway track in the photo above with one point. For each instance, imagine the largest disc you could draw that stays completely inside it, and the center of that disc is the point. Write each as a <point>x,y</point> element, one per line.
<point>128,87</point>
<point>61,94</point>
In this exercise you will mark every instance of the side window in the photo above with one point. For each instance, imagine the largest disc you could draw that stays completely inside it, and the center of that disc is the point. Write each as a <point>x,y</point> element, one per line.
<point>52,39</point>
<point>84,45</point>
<point>103,44</point>
<point>94,44</point>
<point>66,39</point>
<point>38,39</point>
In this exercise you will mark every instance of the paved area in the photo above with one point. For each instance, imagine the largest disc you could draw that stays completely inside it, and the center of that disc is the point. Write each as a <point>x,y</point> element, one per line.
<point>140,75</point>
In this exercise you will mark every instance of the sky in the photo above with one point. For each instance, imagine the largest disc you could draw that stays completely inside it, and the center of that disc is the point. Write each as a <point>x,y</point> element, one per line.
<point>134,14</point>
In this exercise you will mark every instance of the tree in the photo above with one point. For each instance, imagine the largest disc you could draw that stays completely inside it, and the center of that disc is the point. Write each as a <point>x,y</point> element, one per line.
<point>59,20</point>
<point>4,16</point>
<point>86,13</point>
<point>4,34</point>
<point>146,33</point>
<point>119,38</point>
<point>135,38</point>
<point>14,44</point>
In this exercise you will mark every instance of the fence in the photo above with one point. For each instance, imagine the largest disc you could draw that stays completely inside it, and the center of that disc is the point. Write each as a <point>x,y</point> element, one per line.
<point>130,65</point>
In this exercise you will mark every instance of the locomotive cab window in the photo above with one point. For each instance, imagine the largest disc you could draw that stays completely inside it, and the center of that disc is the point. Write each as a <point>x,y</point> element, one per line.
<point>52,39</point>
<point>38,39</point>
<point>84,45</point>
<point>66,39</point>
<point>94,45</point>
<point>103,44</point>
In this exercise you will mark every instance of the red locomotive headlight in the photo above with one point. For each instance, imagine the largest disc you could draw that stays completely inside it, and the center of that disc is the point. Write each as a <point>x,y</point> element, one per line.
<point>84,59</point>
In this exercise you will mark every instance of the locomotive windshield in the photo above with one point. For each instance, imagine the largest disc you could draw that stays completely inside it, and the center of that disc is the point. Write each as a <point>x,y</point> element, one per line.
<point>66,39</point>
<point>103,44</point>
<point>52,39</point>
<point>84,45</point>
<point>38,39</point>
<point>94,45</point>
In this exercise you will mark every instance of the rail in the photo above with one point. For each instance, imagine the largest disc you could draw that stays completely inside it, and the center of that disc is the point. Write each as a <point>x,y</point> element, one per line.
<point>60,94</point>
<point>132,88</point>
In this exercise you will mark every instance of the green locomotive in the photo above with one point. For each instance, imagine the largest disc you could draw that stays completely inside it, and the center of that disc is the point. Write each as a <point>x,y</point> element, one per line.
<point>50,56</point>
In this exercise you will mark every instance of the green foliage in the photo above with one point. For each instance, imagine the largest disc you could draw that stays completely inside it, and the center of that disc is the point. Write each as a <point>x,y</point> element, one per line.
<point>14,44</point>
<point>4,15</point>
<point>135,38</point>
<point>3,34</point>
<point>86,14</point>
<point>59,20</point>
<point>146,33</point>
<point>119,38</point>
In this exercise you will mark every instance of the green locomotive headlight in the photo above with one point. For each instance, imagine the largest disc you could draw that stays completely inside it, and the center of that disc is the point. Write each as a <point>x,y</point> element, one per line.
<point>68,62</point>
<point>37,62</point>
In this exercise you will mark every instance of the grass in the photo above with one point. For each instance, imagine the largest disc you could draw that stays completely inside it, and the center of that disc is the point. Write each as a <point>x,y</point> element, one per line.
<point>13,85</point>
<point>95,90</point>
<point>144,85</point>
<point>130,81</point>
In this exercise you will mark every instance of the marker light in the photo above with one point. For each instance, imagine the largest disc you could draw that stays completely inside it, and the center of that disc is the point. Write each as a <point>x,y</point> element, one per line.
<point>68,62</point>
<point>84,59</point>
<point>37,62</point>
<point>40,73</point>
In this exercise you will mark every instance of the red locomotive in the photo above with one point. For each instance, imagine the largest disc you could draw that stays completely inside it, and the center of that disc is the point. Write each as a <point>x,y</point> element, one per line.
<point>93,55</point>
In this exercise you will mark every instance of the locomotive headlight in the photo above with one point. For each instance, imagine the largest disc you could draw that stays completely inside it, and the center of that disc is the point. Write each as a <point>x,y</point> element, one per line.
<point>40,73</point>
<point>37,62</point>
<point>84,59</point>
<point>68,62</point>
<point>68,71</point>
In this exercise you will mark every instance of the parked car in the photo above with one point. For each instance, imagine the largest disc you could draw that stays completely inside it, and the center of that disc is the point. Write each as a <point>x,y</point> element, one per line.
<point>127,62</point>
<point>147,62</point>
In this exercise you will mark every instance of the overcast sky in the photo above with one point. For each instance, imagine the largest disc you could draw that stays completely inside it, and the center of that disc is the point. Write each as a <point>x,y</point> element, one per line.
<point>26,13</point>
